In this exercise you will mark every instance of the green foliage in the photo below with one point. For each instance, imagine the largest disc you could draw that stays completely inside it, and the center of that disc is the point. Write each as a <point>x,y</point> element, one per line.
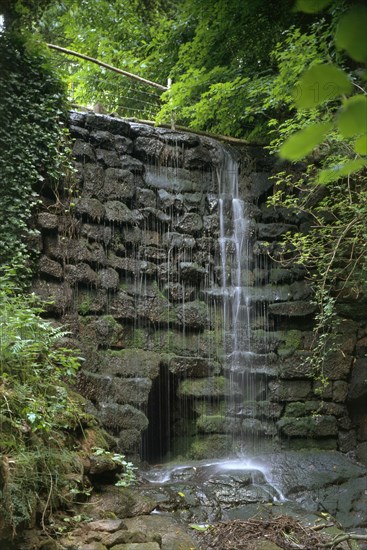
<point>32,143</point>
<point>127,477</point>
<point>37,410</point>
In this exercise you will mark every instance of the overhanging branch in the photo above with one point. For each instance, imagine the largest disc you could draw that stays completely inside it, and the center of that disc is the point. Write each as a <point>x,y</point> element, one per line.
<point>107,66</point>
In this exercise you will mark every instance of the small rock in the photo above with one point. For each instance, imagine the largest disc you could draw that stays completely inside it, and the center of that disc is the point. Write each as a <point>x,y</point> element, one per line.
<point>109,525</point>
<point>137,546</point>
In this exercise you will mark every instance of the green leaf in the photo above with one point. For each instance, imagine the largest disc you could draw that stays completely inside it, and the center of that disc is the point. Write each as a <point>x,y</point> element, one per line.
<point>341,171</point>
<point>303,142</point>
<point>199,527</point>
<point>351,33</point>
<point>311,6</point>
<point>360,145</point>
<point>321,83</point>
<point>353,117</point>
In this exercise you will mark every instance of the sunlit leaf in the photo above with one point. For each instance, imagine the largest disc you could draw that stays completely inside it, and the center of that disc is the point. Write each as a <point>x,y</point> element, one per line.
<point>353,117</point>
<point>199,526</point>
<point>303,142</point>
<point>321,83</point>
<point>351,33</point>
<point>341,171</point>
<point>360,145</point>
<point>311,6</point>
<point>182,495</point>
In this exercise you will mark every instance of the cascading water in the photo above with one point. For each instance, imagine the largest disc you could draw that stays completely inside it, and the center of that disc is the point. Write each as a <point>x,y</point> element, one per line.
<point>243,367</point>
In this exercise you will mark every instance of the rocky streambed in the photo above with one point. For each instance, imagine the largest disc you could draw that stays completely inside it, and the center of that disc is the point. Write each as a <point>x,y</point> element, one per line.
<point>321,494</point>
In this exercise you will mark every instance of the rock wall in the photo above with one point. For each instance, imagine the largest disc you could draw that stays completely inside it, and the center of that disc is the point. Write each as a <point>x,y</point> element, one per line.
<point>129,249</point>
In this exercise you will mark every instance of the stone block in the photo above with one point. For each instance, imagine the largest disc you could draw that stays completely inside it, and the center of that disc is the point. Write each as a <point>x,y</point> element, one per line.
<point>121,417</point>
<point>292,309</point>
<point>118,185</point>
<point>129,391</point>
<point>92,176</point>
<point>340,391</point>
<point>107,123</point>
<point>191,271</point>
<point>109,279</point>
<point>102,139</point>
<point>118,212</point>
<point>81,273</point>
<point>273,230</point>
<point>98,233</point>
<point>130,363</point>
<point>57,295</point>
<point>89,208</point>
<point>193,315</point>
<point>358,382</point>
<point>122,306</point>
<point>308,426</point>
<point>83,151</point>
<point>214,387</point>
<point>50,268</point>
<point>129,441</point>
<point>176,292</point>
<point>123,145</point>
<point>46,220</point>
<point>190,223</point>
<point>290,390</point>
<point>193,367</point>
<point>146,197</point>
<point>178,240</point>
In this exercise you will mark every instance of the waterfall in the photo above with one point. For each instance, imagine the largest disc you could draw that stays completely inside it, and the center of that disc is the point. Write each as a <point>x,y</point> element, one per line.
<point>243,367</point>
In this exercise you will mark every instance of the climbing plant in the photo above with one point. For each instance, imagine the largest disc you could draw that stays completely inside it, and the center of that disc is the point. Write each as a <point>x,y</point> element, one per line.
<point>33,143</point>
<point>327,137</point>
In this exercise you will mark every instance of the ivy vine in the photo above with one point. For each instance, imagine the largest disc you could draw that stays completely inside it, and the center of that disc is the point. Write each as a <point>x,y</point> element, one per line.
<point>33,144</point>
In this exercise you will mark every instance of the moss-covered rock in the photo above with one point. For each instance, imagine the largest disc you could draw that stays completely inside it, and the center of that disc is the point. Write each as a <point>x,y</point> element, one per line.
<point>210,446</point>
<point>214,387</point>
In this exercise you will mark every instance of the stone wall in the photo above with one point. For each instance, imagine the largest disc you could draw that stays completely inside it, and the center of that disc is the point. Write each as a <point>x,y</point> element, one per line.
<point>128,264</point>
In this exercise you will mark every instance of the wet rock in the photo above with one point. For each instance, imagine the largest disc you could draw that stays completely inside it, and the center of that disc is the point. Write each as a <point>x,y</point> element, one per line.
<point>132,164</point>
<point>195,367</point>
<point>122,306</point>
<point>121,417</point>
<point>98,233</point>
<point>92,176</point>
<point>214,387</point>
<point>358,383</point>
<point>118,184</point>
<point>50,268</point>
<point>274,230</point>
<point>57,295</point>
<point>90,208</point>
<point>177,292</point>
<point>191,271</point>
<point>109,279</point>
<point>311,426</point>
<point>177,240</point>
<point>130,265</point>
<point>156,214</point>
<point>173,533</point>
<point>292,309</point>
<point>211,224</point>
<point>125,391</point>
<point>107,123</point>
<point>46,220</point>
<point>130,363</point>
<point>83,151</point>
<point>190,223</point>
<point>123,145</point>
<point>146,198</point>
<point>132,235</point>
<point>91,301</point>
<point>107,525</point>
<point>193,315</point>
<point>76,118</point>
<point>129,441</point>
<point>290,390</point>
<point>118,212</point>
<point>81,273</point>
<point>102,139</point>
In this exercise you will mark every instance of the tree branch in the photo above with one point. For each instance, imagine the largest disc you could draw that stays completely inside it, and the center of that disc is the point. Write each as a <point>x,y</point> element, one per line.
<point>107,66</point>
